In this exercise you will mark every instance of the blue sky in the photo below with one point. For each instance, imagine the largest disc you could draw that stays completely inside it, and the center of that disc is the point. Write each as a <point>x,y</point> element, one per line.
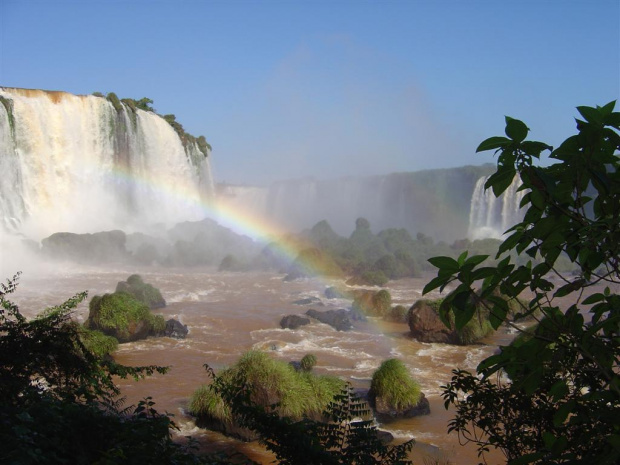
<point>287,89</point>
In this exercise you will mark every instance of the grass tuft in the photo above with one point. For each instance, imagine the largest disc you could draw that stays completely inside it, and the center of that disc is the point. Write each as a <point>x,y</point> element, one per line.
<point>393,382</point>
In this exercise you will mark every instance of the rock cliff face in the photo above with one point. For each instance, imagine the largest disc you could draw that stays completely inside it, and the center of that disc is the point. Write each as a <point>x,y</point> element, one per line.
<point>86,164</point>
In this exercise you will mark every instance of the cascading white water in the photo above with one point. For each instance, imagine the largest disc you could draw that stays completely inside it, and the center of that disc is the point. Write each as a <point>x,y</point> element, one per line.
<point>77,163</point>
<point>490,216</point>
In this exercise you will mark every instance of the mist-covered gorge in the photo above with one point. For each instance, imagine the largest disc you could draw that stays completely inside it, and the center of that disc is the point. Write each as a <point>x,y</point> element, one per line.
<point>88,163</point>
<point>433,202</point>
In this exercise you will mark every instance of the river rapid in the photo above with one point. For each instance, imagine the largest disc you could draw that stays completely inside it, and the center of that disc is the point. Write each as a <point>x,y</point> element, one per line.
<point>230,313</point>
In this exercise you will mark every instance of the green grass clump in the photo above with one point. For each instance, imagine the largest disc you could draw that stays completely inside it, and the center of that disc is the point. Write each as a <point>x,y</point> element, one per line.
<point>120,313</point>
<point>308,362</point>
<point>205,403</point>
<point>395,385</point>
<point>270,382</point>
<point>98,343</point>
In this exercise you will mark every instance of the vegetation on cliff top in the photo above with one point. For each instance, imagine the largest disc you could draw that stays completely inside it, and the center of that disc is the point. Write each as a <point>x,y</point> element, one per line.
<point>145,104</point>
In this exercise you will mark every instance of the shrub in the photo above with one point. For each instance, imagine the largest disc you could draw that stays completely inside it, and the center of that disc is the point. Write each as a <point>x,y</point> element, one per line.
<point>308,362</point>
<point>270,382</point>
<point>395,385</point>
<point>98,343</point>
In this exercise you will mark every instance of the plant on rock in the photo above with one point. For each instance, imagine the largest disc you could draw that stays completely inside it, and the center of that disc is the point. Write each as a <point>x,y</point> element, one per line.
<point>395,386</point>
<point>344,436</point>
<point>559,401</point>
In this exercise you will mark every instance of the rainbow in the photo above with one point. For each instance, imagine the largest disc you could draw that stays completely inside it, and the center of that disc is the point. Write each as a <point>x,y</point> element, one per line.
<point>240,220</point>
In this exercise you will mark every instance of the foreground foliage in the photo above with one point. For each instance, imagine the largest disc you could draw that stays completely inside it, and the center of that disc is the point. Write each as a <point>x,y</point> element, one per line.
<point>60,403</point>
<point>553,397</point>
<point>346,434</point>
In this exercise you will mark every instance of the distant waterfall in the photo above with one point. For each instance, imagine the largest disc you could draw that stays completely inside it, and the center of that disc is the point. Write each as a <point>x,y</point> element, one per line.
<point>433,202</point>
<point>81,164</point>
<point>491,216</point>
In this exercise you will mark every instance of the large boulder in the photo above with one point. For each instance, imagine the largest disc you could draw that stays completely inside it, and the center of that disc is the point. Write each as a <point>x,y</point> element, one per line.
<point>337,319</point>
<point>174,328</point>
<point>386,412</point>
<point>426,326</point>
<point>293,321</point>
<point>97,248</point>
<point>142,291</point>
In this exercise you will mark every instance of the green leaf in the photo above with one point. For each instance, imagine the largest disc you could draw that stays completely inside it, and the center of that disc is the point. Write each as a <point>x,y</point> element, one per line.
<point>591,115</point>
<point>444,263</point>
<point>593,299</point>
<point>501,179</point>
<point>499,311</point>
<point>515,129</point>
<point>493,143</point>
<point>558,391</point>
<point>435,283</point>
<point>476,260</point>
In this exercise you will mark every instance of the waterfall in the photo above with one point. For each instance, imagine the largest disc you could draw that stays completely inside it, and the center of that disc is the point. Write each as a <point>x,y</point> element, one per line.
<point>434,202</point>
<point>491,216</point>
<point>83,164</point>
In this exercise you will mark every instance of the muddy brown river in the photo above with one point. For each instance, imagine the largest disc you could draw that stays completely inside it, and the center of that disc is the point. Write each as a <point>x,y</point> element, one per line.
<point>230,313</point>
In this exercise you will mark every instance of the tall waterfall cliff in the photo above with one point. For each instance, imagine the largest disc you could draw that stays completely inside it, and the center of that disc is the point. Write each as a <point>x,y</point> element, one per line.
<point>433,202</point>
<point>492,216</point>
<point>84,164</point>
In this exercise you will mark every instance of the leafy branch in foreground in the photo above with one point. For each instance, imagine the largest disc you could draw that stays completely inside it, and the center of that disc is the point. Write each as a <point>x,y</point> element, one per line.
<point>553,397</point>
<point>346,436</point>
<point>60,403</point>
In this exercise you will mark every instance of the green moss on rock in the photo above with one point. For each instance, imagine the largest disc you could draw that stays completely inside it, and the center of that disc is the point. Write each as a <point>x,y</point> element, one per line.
<point>123,317</point>
<point>373,303</point>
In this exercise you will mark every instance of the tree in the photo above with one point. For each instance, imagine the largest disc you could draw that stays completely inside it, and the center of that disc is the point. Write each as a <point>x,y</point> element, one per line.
<point>555,397</point>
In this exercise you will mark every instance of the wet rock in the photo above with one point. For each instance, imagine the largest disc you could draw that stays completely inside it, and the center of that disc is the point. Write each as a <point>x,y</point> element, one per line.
<point>386,413</point>
<point>425,325</point>
<point>309,301</point>
<point>337,319</point>
<point>293,321</point>
<point>334,292</point>
<point>101,247</point>
<point>176,329</point>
